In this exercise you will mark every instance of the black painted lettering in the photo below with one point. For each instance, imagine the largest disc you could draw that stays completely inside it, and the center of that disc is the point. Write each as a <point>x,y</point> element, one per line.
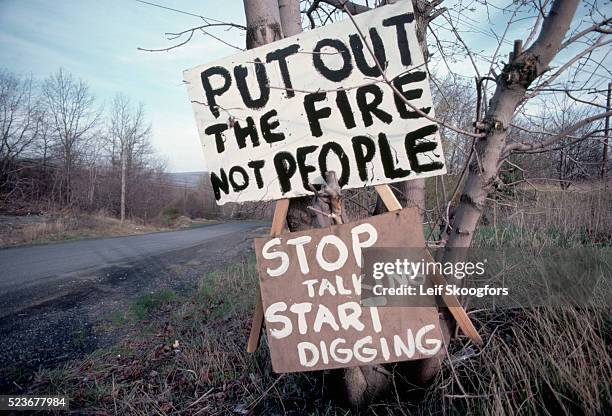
<point>413,148</point>
<point>281,56</point>
<point>346,111</point>
<point>304,168</point>
<point>371,108</point>
<point>364,149</point>
<point>358,47</point>
<point>250,130</point>
<point>256,165</point>
<point>217,130</point>
<point>400,23</point>
<point>285,166</point>
<point>241,72</point>
<point>315,115</point>
<point>342,157</point>
<point>331,74</point>
<point>413,94</point>
<point>242,183</point>
<point>268,125</point>
<point>388,159</point>
<point>210,91</point>
<point>219,183</point>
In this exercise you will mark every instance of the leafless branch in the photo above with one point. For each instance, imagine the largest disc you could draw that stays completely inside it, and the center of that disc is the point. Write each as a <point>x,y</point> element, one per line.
<point>599,43</point>
<point>597,27</point>
<point>568,93</point>
<point>397,92</point>
<point>521,146</point>
<point>190,33</point>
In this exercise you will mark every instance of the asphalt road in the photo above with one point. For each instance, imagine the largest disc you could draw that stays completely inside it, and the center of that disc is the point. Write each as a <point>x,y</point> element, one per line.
<point>57,300</point>
<point>24,266</point>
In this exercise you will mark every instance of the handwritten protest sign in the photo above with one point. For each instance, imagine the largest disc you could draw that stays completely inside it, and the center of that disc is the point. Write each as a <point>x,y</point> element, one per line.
<point>310,287</point>
<point>274,119</point>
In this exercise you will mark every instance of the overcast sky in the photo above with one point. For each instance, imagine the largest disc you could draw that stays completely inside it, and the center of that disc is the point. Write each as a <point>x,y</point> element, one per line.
<point>98,40</point>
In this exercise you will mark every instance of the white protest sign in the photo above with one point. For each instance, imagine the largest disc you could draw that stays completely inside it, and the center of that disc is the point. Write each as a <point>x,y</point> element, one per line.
<point>274,119</point>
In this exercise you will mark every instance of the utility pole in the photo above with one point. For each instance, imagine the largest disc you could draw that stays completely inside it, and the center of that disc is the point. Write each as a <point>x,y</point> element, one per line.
<point>604,157</point>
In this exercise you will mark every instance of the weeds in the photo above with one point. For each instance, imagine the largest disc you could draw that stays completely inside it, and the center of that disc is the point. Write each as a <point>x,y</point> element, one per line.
<point>78,226</point>
<point>192,360</point>
<point>145,304</point>
<point>70,226</point>
<point>537,361</point>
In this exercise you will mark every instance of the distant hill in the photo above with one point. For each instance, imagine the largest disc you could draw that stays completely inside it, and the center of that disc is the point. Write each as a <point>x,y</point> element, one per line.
<point>190,179</point>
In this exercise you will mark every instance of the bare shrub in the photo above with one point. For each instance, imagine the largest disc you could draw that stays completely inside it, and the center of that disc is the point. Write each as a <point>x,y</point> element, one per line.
<point>537,361</point>
<point>549,216</point>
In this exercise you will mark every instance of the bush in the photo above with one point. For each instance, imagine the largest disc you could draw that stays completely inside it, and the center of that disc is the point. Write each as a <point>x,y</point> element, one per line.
<point>169,215</point>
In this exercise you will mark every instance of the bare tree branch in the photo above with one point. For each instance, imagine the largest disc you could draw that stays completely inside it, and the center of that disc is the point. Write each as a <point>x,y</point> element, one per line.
<point>521,146</point>
<point>600,42</point>
<point>397,92</point>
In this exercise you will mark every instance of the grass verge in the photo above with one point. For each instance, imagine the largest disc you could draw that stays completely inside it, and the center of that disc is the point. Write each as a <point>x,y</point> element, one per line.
<point>77,226</point>
<point>191,360</point>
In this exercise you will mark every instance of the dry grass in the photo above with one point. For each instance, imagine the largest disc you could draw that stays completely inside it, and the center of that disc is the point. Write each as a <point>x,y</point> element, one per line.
<point>76,226</point>
<point>69,226</point>
<point>189,358</point>
<point>548,361</point>
<point>547,218</point>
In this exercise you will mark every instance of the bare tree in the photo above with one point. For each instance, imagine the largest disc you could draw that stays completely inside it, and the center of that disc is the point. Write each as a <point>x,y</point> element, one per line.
<point>498,103</point>
<point>513,87</point>
<point>129,133</point>
<point>70,107</point>
<point>20,122</point>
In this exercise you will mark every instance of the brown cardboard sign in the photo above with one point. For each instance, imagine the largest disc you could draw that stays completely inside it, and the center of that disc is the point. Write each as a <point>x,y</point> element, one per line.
<point>311,284</point>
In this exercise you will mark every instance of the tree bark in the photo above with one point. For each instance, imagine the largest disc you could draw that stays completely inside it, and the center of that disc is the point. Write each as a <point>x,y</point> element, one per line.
<point>291,21</point>
<point>604,156</point>
<point>512,85</point>
<point>263,22</point>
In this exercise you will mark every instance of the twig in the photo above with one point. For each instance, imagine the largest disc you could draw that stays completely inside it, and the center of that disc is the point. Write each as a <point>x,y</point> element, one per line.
<point>520,146</point>
<point>399,93</point>
<point>252,405</point>
<point>200,398</point>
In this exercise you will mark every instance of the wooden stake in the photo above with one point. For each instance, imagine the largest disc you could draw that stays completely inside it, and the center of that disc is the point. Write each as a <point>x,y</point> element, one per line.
<point>278,222</point>
<point>463,320</point>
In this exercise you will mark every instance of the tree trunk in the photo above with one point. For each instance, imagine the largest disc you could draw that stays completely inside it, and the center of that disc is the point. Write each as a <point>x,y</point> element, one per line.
<point>362,383</point>
<point>123,178</point>
<point>512,85</point>
<point>604,156</point>
<point>291,21</point>
<point>263,22</point>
